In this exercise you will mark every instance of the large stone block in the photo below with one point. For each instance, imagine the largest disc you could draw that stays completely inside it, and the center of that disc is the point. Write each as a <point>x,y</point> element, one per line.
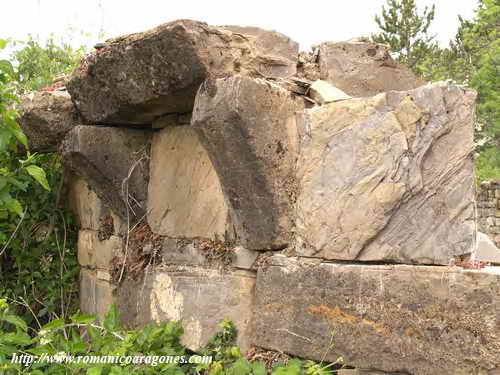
<point>363,68</point>
<point>185,197</point>
<point>388,178</point>
<point>45,118</point>
<point>114,161</point>
<point>416,320</point>
<point>136,78</point>
<point>199,297</point>
<point>249,129</point>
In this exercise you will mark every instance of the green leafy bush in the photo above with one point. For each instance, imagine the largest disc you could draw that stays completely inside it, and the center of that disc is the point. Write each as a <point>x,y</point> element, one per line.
<point>82,335</point>
<point>38,267</point>
<point>488,164</point>
<point>38,64</point>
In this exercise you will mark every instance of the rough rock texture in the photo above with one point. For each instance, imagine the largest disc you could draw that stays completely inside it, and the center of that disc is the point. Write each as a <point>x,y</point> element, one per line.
<point>45,118</point>
<point>488,210</point>
<point>279,52</point>
<point>182,252</point>
<point>363,68</point>
<point>90,211</point>
<point>94,252</point>
<point>414,320</point>
<point>85,204</point>
<point>172,119</point>
<point>185,197</point>
<point>114,162</point>
<point>200,297</point>
<point>389,178</point>
<point>248,128</point>
<point>136,78</point>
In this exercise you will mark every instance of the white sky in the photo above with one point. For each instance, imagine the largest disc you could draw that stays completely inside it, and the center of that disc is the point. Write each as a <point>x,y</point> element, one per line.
<point>307,22</point>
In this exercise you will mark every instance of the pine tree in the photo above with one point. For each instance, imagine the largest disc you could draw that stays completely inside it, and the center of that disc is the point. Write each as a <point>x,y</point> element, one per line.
<point>406,31</point>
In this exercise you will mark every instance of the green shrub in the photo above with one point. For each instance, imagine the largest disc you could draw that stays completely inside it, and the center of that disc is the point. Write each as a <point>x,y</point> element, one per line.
<point>81,335</point>
<point>488,164</point>
<point>38,267</point>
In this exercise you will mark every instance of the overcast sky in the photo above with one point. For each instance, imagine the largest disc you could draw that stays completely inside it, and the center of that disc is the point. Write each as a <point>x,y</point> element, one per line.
<point>307,22</point>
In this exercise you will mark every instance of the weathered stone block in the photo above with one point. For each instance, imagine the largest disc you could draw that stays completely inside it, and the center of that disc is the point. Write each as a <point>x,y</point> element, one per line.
<point>199,297</point>
<point>45,118</point>
<point>96,253</point>
<point>249,129</point>
<point>388,178</point>
<point>139,77</point>
<point>114,161</point>
<point>181,252</point>
<point>96,296</point>
<point>416,320</point>
<point>185,197</point>
<point>363,69</point>
<point>85,204</point>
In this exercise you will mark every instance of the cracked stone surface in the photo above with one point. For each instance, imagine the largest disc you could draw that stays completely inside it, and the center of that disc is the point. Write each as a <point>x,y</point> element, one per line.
<point>388,178</point>
<point>405,319</point>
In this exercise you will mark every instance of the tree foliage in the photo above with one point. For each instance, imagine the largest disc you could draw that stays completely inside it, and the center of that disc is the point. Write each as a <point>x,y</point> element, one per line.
<point>406,31</point>
<point>38,64</point>
<point>471,59</point>
<point>38,267</point>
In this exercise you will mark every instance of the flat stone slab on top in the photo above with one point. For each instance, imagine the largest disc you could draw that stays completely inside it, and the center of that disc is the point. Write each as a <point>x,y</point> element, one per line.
<point>137,78</point>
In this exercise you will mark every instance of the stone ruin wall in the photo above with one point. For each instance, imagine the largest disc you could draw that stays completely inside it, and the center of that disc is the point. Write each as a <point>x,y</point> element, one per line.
<point>488,209</point>
<point>312,198</point>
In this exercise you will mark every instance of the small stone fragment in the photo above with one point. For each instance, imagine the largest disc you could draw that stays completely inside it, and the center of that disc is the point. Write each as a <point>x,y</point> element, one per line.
<point>486,250</point>
<point>322,92</point>
<point>244,258</point>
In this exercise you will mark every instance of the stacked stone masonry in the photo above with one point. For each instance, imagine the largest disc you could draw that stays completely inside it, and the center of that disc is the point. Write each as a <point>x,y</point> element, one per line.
<point>313,198</point>
<point>488,208</point>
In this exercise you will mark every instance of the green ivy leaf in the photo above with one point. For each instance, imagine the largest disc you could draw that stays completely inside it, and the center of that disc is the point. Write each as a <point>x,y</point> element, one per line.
<point>258,368</point>
<point>38,174</point>
<point>7,67</point>
<point>7,350</point>
<point>240,367</point>
<point>83,319</point>
<point>111,321</point>
<point>18,338</point>
<point>53,325</point>
<point>116,370</point>
<point>16,321</point>
<point>11,204</point>
<point>94,371</point>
